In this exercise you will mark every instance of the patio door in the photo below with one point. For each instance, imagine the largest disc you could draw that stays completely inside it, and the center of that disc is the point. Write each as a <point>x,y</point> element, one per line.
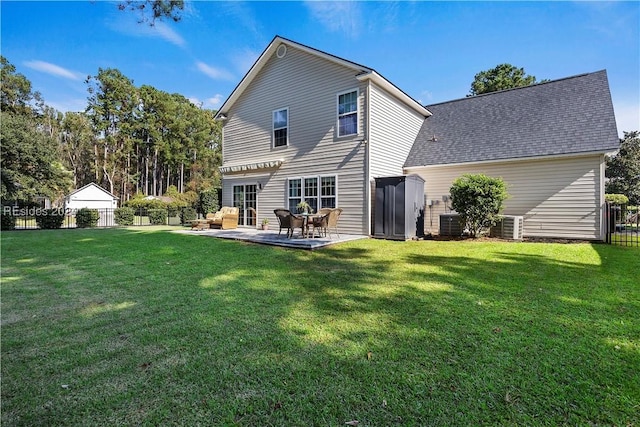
<point>245,199</point>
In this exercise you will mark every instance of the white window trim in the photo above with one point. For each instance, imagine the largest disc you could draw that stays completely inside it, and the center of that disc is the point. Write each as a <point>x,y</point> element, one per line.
<point>357,112</point>
<point>273,128</point>
<point>318,178</point>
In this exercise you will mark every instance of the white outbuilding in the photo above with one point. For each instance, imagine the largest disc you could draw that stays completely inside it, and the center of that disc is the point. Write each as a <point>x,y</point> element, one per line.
<point>91,196</point>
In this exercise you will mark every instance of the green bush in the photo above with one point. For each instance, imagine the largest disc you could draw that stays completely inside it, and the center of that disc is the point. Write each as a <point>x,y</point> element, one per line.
<point>124,215</point>
<point>208,202</point>
<point>187,215</point>
<point>478,199</point>
<point>139,203</point>
<point>616,199</point>
<point>50,218</point>
<point>7,221</point>
<point>157,216</point>
<point>87,218</point>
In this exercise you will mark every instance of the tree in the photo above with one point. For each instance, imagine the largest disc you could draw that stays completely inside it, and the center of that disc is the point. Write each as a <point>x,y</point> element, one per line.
<point>623,169</point>
<point>15,91</point>
<point>158,9</point>
<point>77,142</point>
<point>478,199</point>
<point>503,76</point>
<point>29,165</point>
<point>112,103</point>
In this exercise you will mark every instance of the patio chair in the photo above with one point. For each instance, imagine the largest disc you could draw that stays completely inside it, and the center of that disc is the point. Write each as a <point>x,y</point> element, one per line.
<point>289,221</point>
<point>320,222</point>
<point>332,221</point>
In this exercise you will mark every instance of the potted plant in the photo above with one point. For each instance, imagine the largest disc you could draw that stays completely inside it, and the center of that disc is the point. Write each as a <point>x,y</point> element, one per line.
<point>304,207</point>
<point>265,224</point>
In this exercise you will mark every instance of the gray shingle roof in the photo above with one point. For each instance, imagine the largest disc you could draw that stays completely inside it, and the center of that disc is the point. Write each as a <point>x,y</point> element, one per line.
<point>568,116</point>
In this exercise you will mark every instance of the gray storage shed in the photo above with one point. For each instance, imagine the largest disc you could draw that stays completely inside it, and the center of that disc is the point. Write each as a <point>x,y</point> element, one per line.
<point>399,207</point>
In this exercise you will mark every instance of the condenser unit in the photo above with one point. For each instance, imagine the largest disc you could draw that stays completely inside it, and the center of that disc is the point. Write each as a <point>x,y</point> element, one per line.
<point>450,225</point>
<point>509,227</point>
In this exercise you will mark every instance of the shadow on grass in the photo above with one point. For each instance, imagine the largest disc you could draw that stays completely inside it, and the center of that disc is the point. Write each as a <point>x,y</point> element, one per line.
<point>155,327</point>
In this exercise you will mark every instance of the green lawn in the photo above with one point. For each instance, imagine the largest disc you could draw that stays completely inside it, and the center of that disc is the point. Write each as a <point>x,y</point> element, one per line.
<point>144,326</point>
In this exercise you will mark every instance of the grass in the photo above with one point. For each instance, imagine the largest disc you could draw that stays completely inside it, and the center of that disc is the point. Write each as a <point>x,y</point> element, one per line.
<point>143,326</point>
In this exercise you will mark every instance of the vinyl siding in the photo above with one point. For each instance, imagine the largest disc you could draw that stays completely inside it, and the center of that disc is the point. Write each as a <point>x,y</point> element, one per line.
<point>559,198</point>
<point>308,85</point>
<point>394,128</point>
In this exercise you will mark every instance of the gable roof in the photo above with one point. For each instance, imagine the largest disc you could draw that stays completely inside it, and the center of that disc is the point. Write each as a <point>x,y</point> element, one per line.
<point>92,184</point>
<point>561,117</point>
<point>360,71</point>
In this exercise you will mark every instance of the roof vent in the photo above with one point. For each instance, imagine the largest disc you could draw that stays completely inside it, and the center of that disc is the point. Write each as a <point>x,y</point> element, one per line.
<point>281,51</point>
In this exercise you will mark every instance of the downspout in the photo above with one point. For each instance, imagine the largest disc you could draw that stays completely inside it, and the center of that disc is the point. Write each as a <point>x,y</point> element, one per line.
<point>602,204</point>
<point>367,146</point>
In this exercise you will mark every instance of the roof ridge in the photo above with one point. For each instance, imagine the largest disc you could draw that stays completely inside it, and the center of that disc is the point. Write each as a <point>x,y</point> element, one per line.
<point>517,88</point>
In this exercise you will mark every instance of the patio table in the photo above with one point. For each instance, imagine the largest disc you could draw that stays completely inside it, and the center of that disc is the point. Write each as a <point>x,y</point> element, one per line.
<point>306,217</point>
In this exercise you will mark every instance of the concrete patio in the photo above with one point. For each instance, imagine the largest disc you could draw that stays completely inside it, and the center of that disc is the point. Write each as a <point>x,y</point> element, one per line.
<point>271,237</point>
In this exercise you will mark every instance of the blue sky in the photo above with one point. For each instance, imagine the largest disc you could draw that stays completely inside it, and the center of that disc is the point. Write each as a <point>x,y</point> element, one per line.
<point>431,50</point>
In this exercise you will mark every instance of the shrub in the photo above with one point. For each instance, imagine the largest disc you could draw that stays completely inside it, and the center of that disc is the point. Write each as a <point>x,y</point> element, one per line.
<point>50,218</point>
<point>616,199</point>
<point>7,221</point>
<point>86,218</point>
<point>157,216</point>
<point>140,203</point>
<point>187,215</point>
<point>478,199</point>
<point>208,202</point>
<point>124,215</point>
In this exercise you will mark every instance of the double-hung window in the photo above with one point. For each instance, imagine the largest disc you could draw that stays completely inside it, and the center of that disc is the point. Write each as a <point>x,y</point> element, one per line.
<point>281,127</point>
<point>318,191</point>
<point>348,113</point>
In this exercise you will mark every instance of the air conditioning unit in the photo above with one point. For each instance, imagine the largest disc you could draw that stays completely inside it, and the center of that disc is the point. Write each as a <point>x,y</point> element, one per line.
<point>510,227</point>
<point>450,225</point>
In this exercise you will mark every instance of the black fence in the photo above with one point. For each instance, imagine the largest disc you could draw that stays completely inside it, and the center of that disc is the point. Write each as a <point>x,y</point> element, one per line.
<point>622,225</point>
<point>32,218</point>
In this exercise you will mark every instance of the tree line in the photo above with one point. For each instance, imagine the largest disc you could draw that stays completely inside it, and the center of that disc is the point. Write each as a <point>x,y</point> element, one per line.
<point>130,140</point>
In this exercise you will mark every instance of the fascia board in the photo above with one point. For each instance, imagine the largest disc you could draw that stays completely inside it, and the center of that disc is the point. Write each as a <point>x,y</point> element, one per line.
<point>394,90</point>
<point>509,160</point>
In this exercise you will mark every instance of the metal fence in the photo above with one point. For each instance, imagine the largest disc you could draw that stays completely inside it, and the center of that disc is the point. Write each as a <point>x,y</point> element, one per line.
<point>26,219</point>
<point>622,225</point>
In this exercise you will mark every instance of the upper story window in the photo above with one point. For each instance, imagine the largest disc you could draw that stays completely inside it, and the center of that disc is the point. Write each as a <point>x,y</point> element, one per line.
<point>348,113</point>
<point>281,127</point>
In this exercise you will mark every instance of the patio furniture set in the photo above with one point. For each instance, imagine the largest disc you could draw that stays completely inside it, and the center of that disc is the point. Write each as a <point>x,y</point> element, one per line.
<point>324,222</point>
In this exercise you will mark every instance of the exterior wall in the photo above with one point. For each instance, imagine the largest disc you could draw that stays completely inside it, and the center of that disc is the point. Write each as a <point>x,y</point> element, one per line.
<point>559,198</point>
<point>308,85</point>
<point>393,128</point>
<point>90,197</point>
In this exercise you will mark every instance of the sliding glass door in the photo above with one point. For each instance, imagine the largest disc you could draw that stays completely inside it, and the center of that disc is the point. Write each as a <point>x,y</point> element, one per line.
<point>245,199</point>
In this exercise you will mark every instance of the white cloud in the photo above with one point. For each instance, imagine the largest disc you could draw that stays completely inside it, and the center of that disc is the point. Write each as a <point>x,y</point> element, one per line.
<point>340,17</point>
<point>211,103</point>
<point>54,70</point>
<point>426,96</point>
<point>167,33</point>
<point>129,26</point>
<point>213,72</point>
<point>245,59</point>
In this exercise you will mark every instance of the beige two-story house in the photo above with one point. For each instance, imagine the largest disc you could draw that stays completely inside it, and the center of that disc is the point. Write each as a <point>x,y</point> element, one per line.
<point>306,125</point>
